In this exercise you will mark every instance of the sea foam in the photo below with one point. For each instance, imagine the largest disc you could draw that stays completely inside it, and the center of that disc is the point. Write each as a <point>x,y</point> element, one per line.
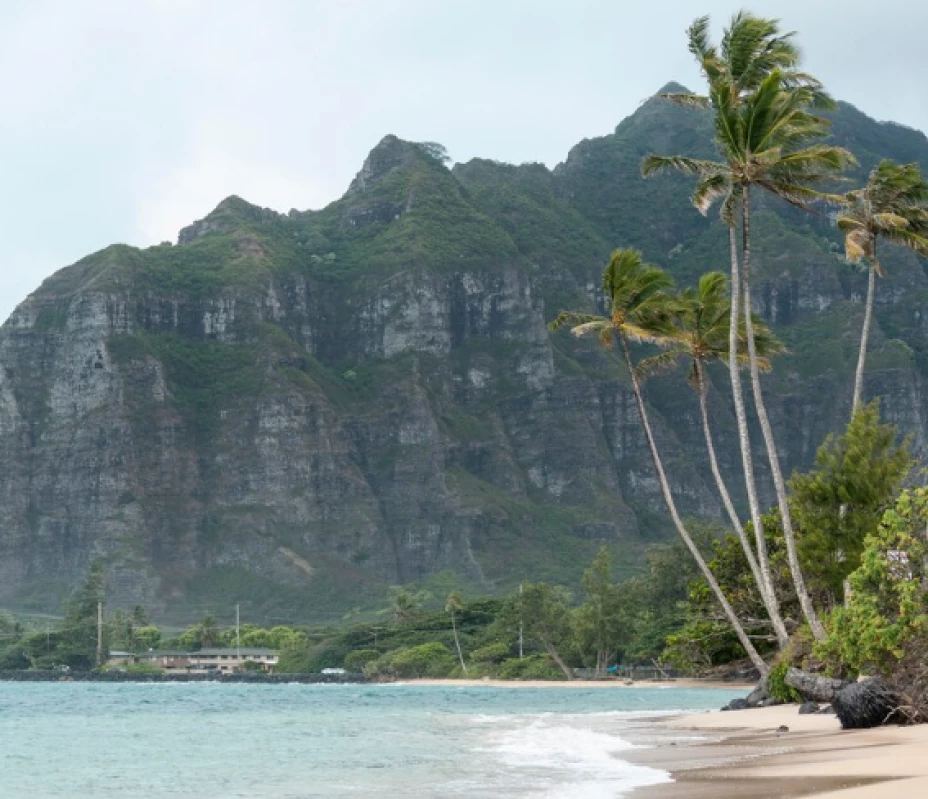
<point>569,761</point>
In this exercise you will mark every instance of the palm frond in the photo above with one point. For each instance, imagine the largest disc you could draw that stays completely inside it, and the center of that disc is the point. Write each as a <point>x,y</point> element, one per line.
<point>858,244</point>
<point>708,190</point>
<point>698,39</point>
<point>907,238</point>
<point>659,364</point>
<point>574,318</point>
<point>655,164</point>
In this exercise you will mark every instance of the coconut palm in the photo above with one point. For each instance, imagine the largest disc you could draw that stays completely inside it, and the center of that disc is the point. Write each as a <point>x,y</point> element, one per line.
<point>641,306</point>
<point>768,137</point>
<point>893,206</point>
<point>703,321</point>
<point>453,603</point>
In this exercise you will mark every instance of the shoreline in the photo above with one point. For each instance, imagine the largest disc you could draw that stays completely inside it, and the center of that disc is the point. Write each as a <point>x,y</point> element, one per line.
<point>742,756</point>
<point>608,683</point>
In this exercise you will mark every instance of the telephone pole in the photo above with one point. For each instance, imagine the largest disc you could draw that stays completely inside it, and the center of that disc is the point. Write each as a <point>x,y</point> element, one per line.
<point>99,634</point>
<point>238,639</point>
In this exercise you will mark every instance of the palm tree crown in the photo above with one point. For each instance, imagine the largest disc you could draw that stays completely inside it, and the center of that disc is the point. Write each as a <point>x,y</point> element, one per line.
<point>751,48</point>
<point>893,205</point>
<point>767,138</point>
<point>702,321</point>
<point>639,298</point>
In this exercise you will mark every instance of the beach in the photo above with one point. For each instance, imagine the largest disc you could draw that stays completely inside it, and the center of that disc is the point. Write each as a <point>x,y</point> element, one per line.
<point>740,754</point>
<point>599,684</point>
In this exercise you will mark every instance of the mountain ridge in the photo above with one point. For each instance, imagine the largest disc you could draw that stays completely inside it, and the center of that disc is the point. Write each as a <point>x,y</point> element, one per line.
<point>371,386</point>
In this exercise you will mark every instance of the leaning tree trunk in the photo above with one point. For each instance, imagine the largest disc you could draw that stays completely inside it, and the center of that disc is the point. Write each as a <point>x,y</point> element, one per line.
<point>553,654</point>
<point>457,643</point>
<point>805,601</point>
<point>864,335</point>
<point>730,614</point>
<point>772,608</point>
<point>767,590</point>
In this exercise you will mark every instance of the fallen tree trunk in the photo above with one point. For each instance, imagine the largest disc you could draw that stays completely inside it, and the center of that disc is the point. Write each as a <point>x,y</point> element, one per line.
<point>813,688</point>
<point>871,703</point>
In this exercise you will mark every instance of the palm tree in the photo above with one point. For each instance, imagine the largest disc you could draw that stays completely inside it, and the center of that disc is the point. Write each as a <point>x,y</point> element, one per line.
<point>768,137</point>
<point>893,206</point>
<point>452,604</point>
<point>703,323</point>
<point>641,308</point>
<point>404,605</point>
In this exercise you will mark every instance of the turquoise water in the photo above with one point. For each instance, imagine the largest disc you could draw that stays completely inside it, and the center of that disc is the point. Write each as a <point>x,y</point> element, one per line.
<point>212,741</point>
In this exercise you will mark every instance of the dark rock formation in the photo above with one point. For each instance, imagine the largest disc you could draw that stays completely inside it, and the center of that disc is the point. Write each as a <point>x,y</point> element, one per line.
<point>739,703</point>
<point>866,704</point>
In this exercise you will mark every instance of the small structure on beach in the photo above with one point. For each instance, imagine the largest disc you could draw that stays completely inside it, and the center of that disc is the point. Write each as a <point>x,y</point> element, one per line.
<point>203,661</point>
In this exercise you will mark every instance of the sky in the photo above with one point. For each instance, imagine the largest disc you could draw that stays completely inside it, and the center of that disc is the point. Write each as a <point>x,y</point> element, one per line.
<point>124,121</point>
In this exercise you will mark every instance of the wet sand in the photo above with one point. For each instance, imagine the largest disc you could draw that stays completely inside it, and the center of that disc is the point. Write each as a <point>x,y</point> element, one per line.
<point>740,754</point>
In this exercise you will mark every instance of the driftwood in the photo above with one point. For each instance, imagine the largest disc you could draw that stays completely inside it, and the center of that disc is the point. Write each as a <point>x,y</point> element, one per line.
<point>871,703</point>
<point>813,688</point>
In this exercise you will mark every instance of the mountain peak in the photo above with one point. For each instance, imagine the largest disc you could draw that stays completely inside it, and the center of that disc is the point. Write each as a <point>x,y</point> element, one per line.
<point>673,88</point>
<point>391,154</point>
<point>231,213</point>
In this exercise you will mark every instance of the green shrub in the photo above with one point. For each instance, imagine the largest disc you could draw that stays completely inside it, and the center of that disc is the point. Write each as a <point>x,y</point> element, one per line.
<point>357,660</point>
<point>294,661</point>
<point>884,628</point>
<point>425,660</point>
<point>142,668</point>
<point>778,687</point>
<point>532,667</point>
<point>491,653</point>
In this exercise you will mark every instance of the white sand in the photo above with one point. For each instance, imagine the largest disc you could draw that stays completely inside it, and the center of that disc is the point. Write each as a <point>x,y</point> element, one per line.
<point>816,748</point>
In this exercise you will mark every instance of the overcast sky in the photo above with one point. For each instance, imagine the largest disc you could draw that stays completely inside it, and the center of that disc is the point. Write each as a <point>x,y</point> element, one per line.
<point>124,121</point>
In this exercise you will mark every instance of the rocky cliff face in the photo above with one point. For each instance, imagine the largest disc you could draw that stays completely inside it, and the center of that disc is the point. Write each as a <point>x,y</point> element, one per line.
<point>299,411</point>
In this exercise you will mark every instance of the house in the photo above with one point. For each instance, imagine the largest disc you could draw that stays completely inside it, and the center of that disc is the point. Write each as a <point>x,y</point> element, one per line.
<point>224,661</point>
<point>173,661</point>
<point>119,657</point>
<point>231,660</point>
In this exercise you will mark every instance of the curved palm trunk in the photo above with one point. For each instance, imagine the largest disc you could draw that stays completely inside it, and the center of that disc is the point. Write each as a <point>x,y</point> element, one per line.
<point>805,601</point>
<point>772,608</point>
<point>730,614</point>
<point>555,656</point>
<point>457,643</point>
<point>864,335</point>
<point>765,585</point>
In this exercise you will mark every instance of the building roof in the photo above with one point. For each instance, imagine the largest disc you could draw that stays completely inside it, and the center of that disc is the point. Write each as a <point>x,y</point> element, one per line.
<point>244,651</point>
<point>161,653</point>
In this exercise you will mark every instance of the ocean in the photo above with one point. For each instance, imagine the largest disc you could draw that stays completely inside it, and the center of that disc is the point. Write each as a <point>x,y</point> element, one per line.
<point>219,741</point>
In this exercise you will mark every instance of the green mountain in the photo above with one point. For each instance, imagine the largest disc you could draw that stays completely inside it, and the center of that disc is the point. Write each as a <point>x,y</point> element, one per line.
<point>297,411</point>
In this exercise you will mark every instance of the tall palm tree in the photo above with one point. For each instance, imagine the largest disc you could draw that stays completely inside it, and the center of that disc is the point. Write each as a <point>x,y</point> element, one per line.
<point>768,137</point>
<point>452,604</point>
<point>703,323</point>
<point>893,206</point>
<point>641,307</point>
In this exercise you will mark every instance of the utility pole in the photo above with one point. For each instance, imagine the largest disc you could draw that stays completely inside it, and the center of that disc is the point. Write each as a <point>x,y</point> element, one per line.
<point>520,621</point>
<point>99,634</point>
<point>238,638</point>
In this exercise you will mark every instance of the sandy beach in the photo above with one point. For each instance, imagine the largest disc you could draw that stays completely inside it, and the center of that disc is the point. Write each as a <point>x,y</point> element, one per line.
<point>603,684</point>
<point>741,754</point>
